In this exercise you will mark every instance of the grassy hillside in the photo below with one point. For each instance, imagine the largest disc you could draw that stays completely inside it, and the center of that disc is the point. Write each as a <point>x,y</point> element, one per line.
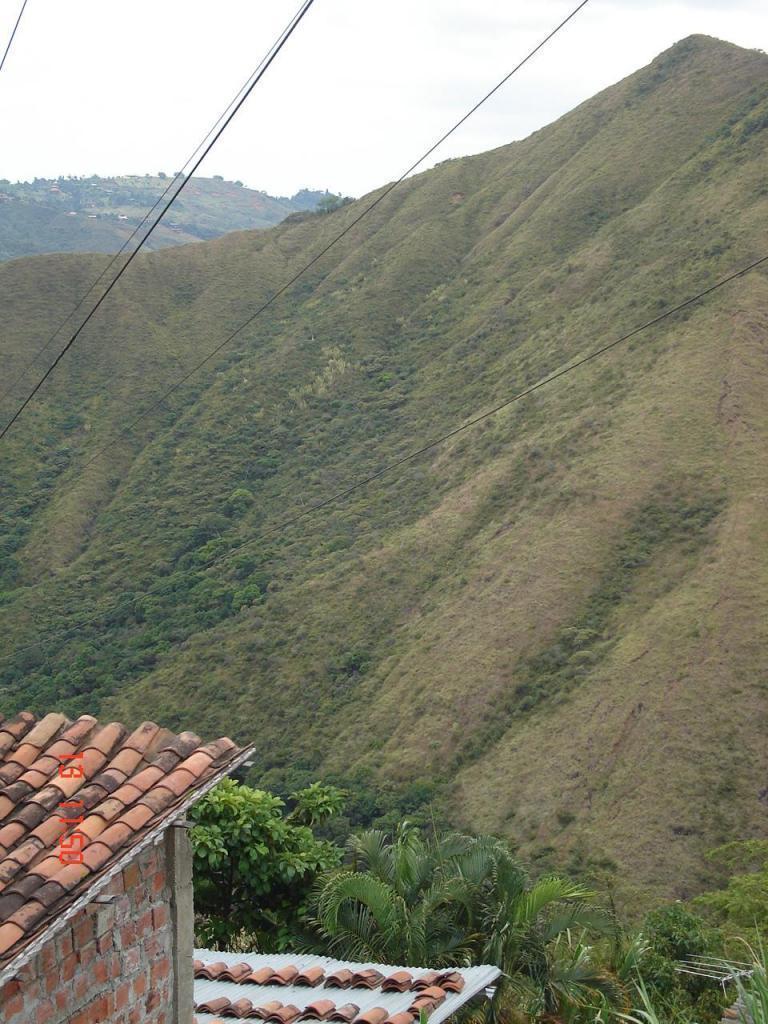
<point>98,214</point>
<point>555,624</point>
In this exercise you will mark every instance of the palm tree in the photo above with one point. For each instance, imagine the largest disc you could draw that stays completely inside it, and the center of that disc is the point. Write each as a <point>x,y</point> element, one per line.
<point>398,902</point>
<point>534,931</point>
<point>453,899</point>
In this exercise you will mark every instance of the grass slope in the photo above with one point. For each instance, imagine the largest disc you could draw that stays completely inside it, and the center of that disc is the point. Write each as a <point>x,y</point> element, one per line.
<point>556,622</point>
<point>98,214</point>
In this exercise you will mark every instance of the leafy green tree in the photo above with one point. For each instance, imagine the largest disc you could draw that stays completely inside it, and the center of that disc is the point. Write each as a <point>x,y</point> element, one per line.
<point>743,904</point>
<point>254,864</point>
<point>673,933</point>
<point>316,803</point>
<point>330,202</point>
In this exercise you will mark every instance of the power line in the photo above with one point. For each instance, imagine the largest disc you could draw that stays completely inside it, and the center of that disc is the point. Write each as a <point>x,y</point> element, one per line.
<point>111,262</point>
<point>277,47</point>
<point>311,263</point>
<point>411,456</point>
<point>13,33</point>
<point>284,288</point>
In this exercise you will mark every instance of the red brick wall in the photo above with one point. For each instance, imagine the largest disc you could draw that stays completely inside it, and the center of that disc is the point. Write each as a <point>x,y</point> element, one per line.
<point>111,963</point>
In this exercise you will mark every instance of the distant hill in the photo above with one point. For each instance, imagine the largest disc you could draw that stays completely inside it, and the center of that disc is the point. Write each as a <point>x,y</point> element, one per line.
<point>557,622</point>
<point>98,214</point>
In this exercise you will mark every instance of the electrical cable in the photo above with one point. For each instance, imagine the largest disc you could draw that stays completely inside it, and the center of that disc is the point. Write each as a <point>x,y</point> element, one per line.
<point>284,288</point>
<point>13,34</point>
<point>116,256</point>
<point>282,40</point>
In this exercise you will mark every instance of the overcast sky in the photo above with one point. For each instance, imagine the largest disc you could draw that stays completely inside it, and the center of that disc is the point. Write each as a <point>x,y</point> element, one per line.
<point>361,89</point>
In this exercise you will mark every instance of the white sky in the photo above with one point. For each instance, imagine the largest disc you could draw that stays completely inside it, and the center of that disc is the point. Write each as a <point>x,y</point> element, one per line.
<point>360,90</point>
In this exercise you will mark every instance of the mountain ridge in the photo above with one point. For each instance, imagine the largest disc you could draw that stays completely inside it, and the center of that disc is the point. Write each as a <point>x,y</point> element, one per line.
<point>98,214</point>
<point>556,616</point>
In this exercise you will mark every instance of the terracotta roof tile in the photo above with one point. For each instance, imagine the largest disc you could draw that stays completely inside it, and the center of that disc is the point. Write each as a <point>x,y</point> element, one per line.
<point>368,978</point>
<point>258,977</point>
<point>158,799</point>
<point>399,981</point>
<point>400,1018</point>
<point>178,781</point>
<point>375,1015</point>
<point>121,783</point>
<point>220,750</point>
<point>451,981</point>
<point>9,936</point>
<point>284,975</point>
<point>25,755</point>
<point>137,817</point>
<point>212,971</point>
<point>214,1006</point>
<point>425,980</point>
<point>284,1015</point>
<point>321,1009</point>
<point>265,1009</point>
<point>236,972</point>
<point>142,738</point>
<point>11,902</point>
<point>240,1008</point>
<point>339,979</point>
<point>117,835</point>
<point>198,763</point>
<point>92,763</point>
<point>183,744</point>
<point>96,855</point>
<point>49,726</point>
<point>12,730</point>
<point>310,976</point>
<point>345,1013</point>
<point>106,739</point>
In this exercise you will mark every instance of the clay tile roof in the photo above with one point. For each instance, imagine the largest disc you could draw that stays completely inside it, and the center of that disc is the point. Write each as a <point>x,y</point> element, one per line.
<point>256,986</point>
<point>123,788</point>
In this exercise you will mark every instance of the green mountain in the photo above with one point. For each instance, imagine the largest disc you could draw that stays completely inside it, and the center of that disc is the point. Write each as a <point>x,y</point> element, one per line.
<point>556,622</point>
<point>99,214</point>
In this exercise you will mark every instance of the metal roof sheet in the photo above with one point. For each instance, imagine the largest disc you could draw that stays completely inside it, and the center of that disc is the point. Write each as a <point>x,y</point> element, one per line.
<point>476,979</point>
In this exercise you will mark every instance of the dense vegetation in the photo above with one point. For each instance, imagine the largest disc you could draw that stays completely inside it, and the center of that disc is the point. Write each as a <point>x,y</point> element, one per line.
<point>95,214</point>
<point>430,897</point>
<point>551,628</point>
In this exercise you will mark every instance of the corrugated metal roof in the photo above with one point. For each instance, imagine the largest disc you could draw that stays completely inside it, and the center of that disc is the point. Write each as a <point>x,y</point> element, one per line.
<point>476,979</point>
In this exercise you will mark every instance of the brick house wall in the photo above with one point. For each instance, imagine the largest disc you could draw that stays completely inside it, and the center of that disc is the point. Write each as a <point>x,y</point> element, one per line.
<point>121,962</point>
